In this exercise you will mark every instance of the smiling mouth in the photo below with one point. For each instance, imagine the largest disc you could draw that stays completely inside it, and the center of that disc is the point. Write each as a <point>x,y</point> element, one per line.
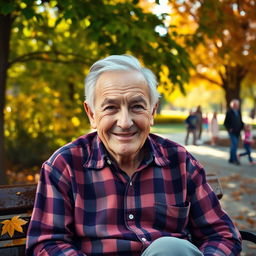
<point>124,135</point>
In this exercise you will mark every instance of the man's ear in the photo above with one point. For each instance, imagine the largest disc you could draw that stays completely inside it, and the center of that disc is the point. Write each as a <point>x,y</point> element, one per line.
<point>90,115</point>
<point>153,114</point>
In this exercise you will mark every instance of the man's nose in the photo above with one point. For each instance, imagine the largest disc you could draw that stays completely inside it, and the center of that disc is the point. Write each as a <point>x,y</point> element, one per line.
<point>124,119</point>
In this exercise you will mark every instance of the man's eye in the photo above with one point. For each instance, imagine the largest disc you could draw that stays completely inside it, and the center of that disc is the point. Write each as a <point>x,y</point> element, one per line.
<point>138,106</point>
<point>110,107</point>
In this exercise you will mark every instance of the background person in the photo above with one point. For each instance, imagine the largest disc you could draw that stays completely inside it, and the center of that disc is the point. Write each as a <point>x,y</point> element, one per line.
<point>248,141</point>
<point>121,190</point>
<point>191,125</point>
<point>234,124</point>
<point>199,124</point>
<point>214,129</point>
<point>206,123</point>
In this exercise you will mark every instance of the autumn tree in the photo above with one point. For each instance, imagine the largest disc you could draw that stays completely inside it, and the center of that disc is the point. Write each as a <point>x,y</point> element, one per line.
<point>76,33</point>
<point>222,37</point>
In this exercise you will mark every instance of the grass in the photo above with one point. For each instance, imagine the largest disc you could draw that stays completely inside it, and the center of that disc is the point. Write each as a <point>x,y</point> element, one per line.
<point>168,128</point>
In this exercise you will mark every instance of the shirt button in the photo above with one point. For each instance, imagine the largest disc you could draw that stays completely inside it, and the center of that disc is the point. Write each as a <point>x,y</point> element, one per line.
<point>131,216</point>
<point>130,183</point>
<point>143,239</point>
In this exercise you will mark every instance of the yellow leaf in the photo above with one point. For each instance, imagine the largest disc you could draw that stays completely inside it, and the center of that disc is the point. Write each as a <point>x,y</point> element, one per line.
<point>9,226</point>
<point>75,121</point>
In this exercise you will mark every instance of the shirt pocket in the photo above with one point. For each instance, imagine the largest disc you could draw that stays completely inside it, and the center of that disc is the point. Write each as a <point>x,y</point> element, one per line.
<point>171,218</point>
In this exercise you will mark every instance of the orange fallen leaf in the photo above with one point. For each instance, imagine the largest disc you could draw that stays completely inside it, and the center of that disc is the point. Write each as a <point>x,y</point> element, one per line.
<point>251,221</point>
<point>9,226</point>
<point>239,217</point>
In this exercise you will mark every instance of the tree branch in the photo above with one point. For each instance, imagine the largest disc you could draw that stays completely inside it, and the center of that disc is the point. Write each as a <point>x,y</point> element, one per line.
<point>46,56</point>
<point>221,76</point>
<point>208,79</point>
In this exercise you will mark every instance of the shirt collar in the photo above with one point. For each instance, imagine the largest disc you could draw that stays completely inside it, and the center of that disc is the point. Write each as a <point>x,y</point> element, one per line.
<point>99,155</point>
<point>156,150</point>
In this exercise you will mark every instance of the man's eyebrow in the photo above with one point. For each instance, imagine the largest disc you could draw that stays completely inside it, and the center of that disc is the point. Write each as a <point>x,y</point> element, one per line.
<point>108,101</point>
<point>138,99</point>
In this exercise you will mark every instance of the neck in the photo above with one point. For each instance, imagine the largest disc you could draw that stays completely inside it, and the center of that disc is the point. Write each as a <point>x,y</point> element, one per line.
<point>129,164</point>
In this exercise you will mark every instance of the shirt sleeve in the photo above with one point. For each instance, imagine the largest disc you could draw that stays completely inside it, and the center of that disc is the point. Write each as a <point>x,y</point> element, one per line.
<point>212,230</point>
<point>51,227</point>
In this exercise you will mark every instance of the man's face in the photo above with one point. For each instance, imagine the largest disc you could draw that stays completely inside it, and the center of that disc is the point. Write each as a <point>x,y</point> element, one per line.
<point>236,105</point>
<point>123,112</point>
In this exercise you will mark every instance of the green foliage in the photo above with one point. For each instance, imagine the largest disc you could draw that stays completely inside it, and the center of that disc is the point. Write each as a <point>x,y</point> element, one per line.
<point>41,115</point>
<point>25,152</point>
<point>51,29</point>
<point>168,128</point>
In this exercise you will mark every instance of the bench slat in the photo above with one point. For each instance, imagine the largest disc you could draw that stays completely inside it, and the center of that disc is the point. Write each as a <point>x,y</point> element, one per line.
<point>17,199</point>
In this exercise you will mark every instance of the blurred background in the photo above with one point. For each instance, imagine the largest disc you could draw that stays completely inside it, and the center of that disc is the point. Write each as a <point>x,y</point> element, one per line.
<point>202,52</point>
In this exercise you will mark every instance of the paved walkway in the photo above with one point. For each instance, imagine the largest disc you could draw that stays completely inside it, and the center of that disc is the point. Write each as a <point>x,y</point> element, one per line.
<point>238,182</point>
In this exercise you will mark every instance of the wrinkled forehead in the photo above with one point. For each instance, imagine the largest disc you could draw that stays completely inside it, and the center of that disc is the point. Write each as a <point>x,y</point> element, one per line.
<point>121,82</point>
<point>119,77</point>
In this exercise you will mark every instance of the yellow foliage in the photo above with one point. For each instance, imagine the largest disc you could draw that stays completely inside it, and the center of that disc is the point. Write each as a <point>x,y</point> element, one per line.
<point>69,21</point>
<point>53,3</point>
<point>6,133</point>
<point>66,34</point>
<point>47,89</point>
<point>60,142</point>
<point>51,22</point>
<point>26,32</point>
<point>56,94</point>
<point>9,226</point>
<point>30,178</point>
<point>85,22</point>
<point>174,52</point>
<point>23,5</point>
<point>75,121</point>
<point>76,96</point>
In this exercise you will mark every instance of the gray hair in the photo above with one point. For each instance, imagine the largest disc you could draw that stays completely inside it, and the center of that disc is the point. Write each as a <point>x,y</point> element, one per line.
<point>118,63</point>
<point>233,102</point>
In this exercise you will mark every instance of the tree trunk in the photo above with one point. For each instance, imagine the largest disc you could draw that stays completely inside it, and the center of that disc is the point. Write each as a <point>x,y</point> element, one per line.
<point>5,33</point>
<point>231,83</point>
<point>231,94</point>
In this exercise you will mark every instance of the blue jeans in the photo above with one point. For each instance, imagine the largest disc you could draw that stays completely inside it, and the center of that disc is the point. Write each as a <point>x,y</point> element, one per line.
<point>171,246</point>
<point>248,150</point>
<point>234,139</point>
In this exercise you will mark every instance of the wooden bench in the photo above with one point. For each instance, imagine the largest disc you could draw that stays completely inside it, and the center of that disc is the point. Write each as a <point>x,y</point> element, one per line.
<point>16,204</point>
<point>15,201</point>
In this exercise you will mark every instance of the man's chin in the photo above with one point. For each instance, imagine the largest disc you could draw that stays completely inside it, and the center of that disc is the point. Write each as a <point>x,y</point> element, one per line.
<point>124,151</point>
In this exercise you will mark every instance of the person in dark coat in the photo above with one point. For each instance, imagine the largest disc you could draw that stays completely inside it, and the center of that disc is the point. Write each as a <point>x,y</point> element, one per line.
<point>191,122</point>
<point>234,125</point>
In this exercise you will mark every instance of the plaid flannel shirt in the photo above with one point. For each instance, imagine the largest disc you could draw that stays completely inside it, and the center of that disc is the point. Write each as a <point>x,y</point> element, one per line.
<point>86,205</point>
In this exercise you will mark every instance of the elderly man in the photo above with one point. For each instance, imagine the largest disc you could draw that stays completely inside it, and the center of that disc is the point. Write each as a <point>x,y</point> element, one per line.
<point>234,125</point>
<point>124,191</point>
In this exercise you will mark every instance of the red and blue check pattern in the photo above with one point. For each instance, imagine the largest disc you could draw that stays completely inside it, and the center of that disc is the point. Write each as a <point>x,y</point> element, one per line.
<point>86,205</point>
